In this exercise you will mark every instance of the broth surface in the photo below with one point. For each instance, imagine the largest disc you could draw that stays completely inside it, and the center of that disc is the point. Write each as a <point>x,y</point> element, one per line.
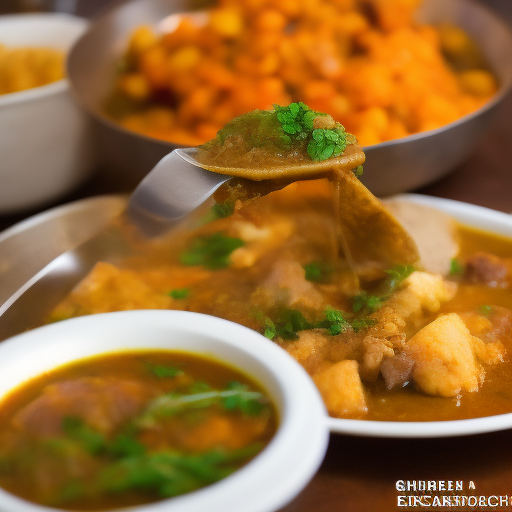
<point>129,428</point>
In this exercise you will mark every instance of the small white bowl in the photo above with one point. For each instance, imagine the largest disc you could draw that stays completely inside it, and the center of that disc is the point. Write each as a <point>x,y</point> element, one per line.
<point>273,477</point>
<point>46,140</point>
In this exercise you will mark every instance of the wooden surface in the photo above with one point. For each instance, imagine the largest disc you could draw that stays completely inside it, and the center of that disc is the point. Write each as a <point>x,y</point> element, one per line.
<point>359,474</point>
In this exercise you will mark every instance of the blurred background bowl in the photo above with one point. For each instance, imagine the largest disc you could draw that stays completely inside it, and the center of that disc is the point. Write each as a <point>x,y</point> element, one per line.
<point>394,166</point>
<point>46,139</point>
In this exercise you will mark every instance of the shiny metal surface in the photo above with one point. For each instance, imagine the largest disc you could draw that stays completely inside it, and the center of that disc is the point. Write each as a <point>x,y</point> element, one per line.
<point>174,188</point>
<point>29,246</point>
<point>391,167</point>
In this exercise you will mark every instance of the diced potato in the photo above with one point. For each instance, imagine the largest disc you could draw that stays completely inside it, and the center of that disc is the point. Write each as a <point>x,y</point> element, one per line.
<point>342,390</point>
<point>445,364</point>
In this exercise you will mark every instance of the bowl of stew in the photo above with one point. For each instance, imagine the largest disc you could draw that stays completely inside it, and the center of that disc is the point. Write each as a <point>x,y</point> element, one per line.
<point>160,79</point>
<point>151,410</point>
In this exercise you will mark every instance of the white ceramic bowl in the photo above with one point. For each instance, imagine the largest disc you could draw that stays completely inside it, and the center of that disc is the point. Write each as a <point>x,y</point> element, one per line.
<point>45,139</point>
<point>266,483</point>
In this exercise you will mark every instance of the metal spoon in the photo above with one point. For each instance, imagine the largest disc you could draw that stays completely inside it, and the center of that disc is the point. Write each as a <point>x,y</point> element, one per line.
<point>175,187</point>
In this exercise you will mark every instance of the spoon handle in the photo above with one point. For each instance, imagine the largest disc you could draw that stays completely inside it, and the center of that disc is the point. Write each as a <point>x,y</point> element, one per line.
<point>174,188</point>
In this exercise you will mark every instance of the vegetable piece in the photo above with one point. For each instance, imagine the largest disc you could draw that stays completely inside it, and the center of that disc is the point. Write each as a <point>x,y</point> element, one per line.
<point>211,251</point>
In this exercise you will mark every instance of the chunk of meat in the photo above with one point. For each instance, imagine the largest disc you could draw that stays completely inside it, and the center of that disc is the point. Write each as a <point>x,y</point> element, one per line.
<point>396,370</point>
<point>488,269</point>
<point>102,403</point>
<point>287,283</point>
<point>400,316</point>
<point>342,390</point>
<point>444,362</point>
<point>432,230</point>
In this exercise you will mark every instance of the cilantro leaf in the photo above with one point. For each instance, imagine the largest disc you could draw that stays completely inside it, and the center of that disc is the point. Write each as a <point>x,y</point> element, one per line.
<point>317,271</point>
<point>362,323</point>
<point>242,399</point>
<point>327,143</point>
<point>162,371</point>
<point>485,310</point>
<point>92,441</point>
<point>397,275</point>
<point>179,293</point>
<point>363,302</point>
<point>211,251</point>
<point>456,267</point>
<point>334,321</point>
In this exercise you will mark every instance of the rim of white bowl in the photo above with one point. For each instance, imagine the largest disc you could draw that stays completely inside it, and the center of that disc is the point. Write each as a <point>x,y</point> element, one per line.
<point>80,24</point>
<point>272,478</point>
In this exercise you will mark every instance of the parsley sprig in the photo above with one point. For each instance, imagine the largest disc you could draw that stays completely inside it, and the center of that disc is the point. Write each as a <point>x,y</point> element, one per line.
<point>297,122</point>
<point>327,143</point>
<point>212,251</point>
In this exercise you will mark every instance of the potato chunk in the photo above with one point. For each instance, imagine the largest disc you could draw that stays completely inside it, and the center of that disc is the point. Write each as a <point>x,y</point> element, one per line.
<point>444,360</point>
<point>342,390</point>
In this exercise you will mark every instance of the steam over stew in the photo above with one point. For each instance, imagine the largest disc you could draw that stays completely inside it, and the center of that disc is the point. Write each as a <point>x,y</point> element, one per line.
<point>395,311</point>
<point>129,428</point>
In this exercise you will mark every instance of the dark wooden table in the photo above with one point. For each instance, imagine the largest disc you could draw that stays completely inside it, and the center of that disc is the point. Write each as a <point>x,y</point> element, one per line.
<point>360,474</point>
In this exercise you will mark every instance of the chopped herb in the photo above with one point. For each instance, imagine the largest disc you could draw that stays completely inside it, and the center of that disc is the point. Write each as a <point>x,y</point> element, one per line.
<point>358,171</point>
<point>318,271</point>
<point>163,371</point>
<point>335,321</point>
<point>270,331</point>
<point>237,396</point>
<point>171,473</point>
<point>327,143</point>
<point>363,302</point>
<point>485,310</point>
<point>223,210</point>
<point>397,275</point>
<point>179,293</point>
<point>243,400</point>
<point>296,120</point>
<point>125,445</point>
<point>211,251</point>
<point>362,323</point>
<point>289,322</point>
<point>456,267</point>
<point>92,441</point>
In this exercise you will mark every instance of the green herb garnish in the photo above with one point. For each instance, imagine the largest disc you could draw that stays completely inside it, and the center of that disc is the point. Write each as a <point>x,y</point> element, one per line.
<point>179,293</point>
<point>456,267</point>
<point>318,272</point>
<point>397,275</point>
<point>238,397</point>
<point>335,321</point>
<point>296,120</point>
<point>163,371</point>
<point>327,143</point>
<point>485,310</point>
<point>211,251</point>
<point>91,440</point>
